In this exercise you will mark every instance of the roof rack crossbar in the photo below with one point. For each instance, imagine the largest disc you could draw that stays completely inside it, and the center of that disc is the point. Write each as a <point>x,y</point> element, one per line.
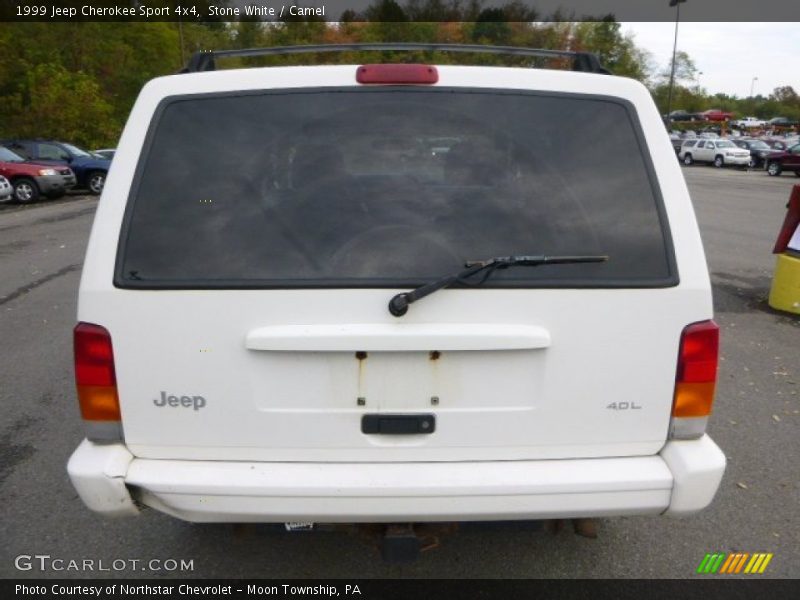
<point>581,61</point>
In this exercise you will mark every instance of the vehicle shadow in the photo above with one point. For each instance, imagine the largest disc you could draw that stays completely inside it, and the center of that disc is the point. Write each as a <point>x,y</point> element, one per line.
<point>737,293</point>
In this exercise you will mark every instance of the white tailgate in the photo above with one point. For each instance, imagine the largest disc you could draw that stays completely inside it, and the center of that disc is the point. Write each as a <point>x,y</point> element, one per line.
<point>515,374</point>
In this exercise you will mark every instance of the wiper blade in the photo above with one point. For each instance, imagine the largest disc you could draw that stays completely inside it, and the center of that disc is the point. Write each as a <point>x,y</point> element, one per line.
<point>398,305</point>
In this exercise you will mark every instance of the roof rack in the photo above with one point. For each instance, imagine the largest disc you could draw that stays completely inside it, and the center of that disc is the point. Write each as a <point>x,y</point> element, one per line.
<point>585,62</point>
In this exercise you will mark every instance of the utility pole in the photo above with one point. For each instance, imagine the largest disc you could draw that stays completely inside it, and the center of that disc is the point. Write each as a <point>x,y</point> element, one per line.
<point>180,34</point>
<point>676,3</point>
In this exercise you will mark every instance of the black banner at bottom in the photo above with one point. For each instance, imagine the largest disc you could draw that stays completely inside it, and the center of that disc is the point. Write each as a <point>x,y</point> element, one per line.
<point>405,589</point>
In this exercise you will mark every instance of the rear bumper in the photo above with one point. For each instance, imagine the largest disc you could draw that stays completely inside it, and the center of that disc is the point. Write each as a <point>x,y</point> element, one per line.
<point>681,480</point>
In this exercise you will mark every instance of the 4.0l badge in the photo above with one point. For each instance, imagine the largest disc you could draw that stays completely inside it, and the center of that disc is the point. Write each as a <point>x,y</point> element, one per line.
<point>624,406</point>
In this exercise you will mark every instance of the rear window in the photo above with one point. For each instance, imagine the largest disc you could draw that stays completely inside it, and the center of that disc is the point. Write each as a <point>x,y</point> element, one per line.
<point>387,187</point>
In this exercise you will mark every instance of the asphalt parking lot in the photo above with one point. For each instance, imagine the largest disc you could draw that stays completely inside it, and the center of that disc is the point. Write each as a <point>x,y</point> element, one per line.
<point>756,422</point>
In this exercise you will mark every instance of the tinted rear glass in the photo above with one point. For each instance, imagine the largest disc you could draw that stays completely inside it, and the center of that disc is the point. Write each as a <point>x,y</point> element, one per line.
<point>387,187</point>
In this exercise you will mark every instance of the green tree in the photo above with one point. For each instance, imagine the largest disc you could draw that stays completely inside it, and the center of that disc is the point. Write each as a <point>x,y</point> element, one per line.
<point>786,95</point>
<point>616,52</point>
<point>685,69</point>
<point>60,104</point>
<point>78,81</point>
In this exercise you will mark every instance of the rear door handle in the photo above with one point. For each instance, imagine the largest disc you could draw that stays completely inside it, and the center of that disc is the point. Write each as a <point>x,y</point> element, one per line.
<point>398,424</point>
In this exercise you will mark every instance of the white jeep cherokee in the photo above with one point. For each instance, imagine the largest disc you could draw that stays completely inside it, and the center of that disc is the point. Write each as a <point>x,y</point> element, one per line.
<point>258,336</point>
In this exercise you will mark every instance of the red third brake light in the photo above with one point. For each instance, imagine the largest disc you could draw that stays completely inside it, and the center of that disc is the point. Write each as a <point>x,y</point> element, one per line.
<point>94,373</point>
<point>392,73</point>
<point>697,370</point>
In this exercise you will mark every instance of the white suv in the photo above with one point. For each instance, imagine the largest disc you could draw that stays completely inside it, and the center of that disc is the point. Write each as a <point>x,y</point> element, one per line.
<point>259,338</point>
<point>717,152</point>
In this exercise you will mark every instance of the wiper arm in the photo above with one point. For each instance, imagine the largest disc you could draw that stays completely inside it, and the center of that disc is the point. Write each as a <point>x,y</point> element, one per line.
<point>398,305</point>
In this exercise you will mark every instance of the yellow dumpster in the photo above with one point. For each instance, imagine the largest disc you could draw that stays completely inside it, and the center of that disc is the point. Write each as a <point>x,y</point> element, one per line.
<point>785,292</point>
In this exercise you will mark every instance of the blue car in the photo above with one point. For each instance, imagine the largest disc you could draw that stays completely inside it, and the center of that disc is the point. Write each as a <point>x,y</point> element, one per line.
<point>90,170</point>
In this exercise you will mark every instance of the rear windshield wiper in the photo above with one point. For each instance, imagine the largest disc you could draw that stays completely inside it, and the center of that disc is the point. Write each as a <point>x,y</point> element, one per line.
<point>398,305</point>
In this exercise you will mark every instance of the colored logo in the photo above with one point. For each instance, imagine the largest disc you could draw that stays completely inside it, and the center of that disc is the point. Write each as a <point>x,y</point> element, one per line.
<point>736,562</point>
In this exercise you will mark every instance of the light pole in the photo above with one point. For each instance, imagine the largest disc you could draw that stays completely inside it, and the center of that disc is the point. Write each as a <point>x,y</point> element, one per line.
<point>752,85</point>
<point>674,49</point>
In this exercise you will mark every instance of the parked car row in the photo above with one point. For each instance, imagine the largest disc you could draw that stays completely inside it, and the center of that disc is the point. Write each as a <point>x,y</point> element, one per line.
<point>719,116</point>
<point>756,123</point>
<point>678,137</point>
<point>31,180</point>
<point>46,168</point>
<point>713,114</point>
<point>775,156</point>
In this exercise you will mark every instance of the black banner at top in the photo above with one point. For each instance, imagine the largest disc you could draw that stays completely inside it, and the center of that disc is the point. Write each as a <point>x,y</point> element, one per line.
<point>399,10</point>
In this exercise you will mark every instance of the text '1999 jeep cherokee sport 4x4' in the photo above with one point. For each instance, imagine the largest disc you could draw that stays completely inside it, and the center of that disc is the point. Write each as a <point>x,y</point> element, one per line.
<point>395,293</point>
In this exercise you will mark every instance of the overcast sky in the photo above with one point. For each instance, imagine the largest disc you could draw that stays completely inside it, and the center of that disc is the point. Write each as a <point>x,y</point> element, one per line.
<point>729,54</point>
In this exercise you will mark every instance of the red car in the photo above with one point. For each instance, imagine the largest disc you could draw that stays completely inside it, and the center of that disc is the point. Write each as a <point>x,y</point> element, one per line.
<point>715,114</point>
<point>31,180</point>
<point>786,160</point>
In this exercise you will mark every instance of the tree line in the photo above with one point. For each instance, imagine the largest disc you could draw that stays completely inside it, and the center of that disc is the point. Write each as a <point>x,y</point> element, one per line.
<point>78,81</point>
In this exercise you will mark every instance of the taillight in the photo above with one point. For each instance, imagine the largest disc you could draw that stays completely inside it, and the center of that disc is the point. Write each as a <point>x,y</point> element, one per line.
<point>696,380</point>
<point>96,381</point>
<point>397,73</point>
